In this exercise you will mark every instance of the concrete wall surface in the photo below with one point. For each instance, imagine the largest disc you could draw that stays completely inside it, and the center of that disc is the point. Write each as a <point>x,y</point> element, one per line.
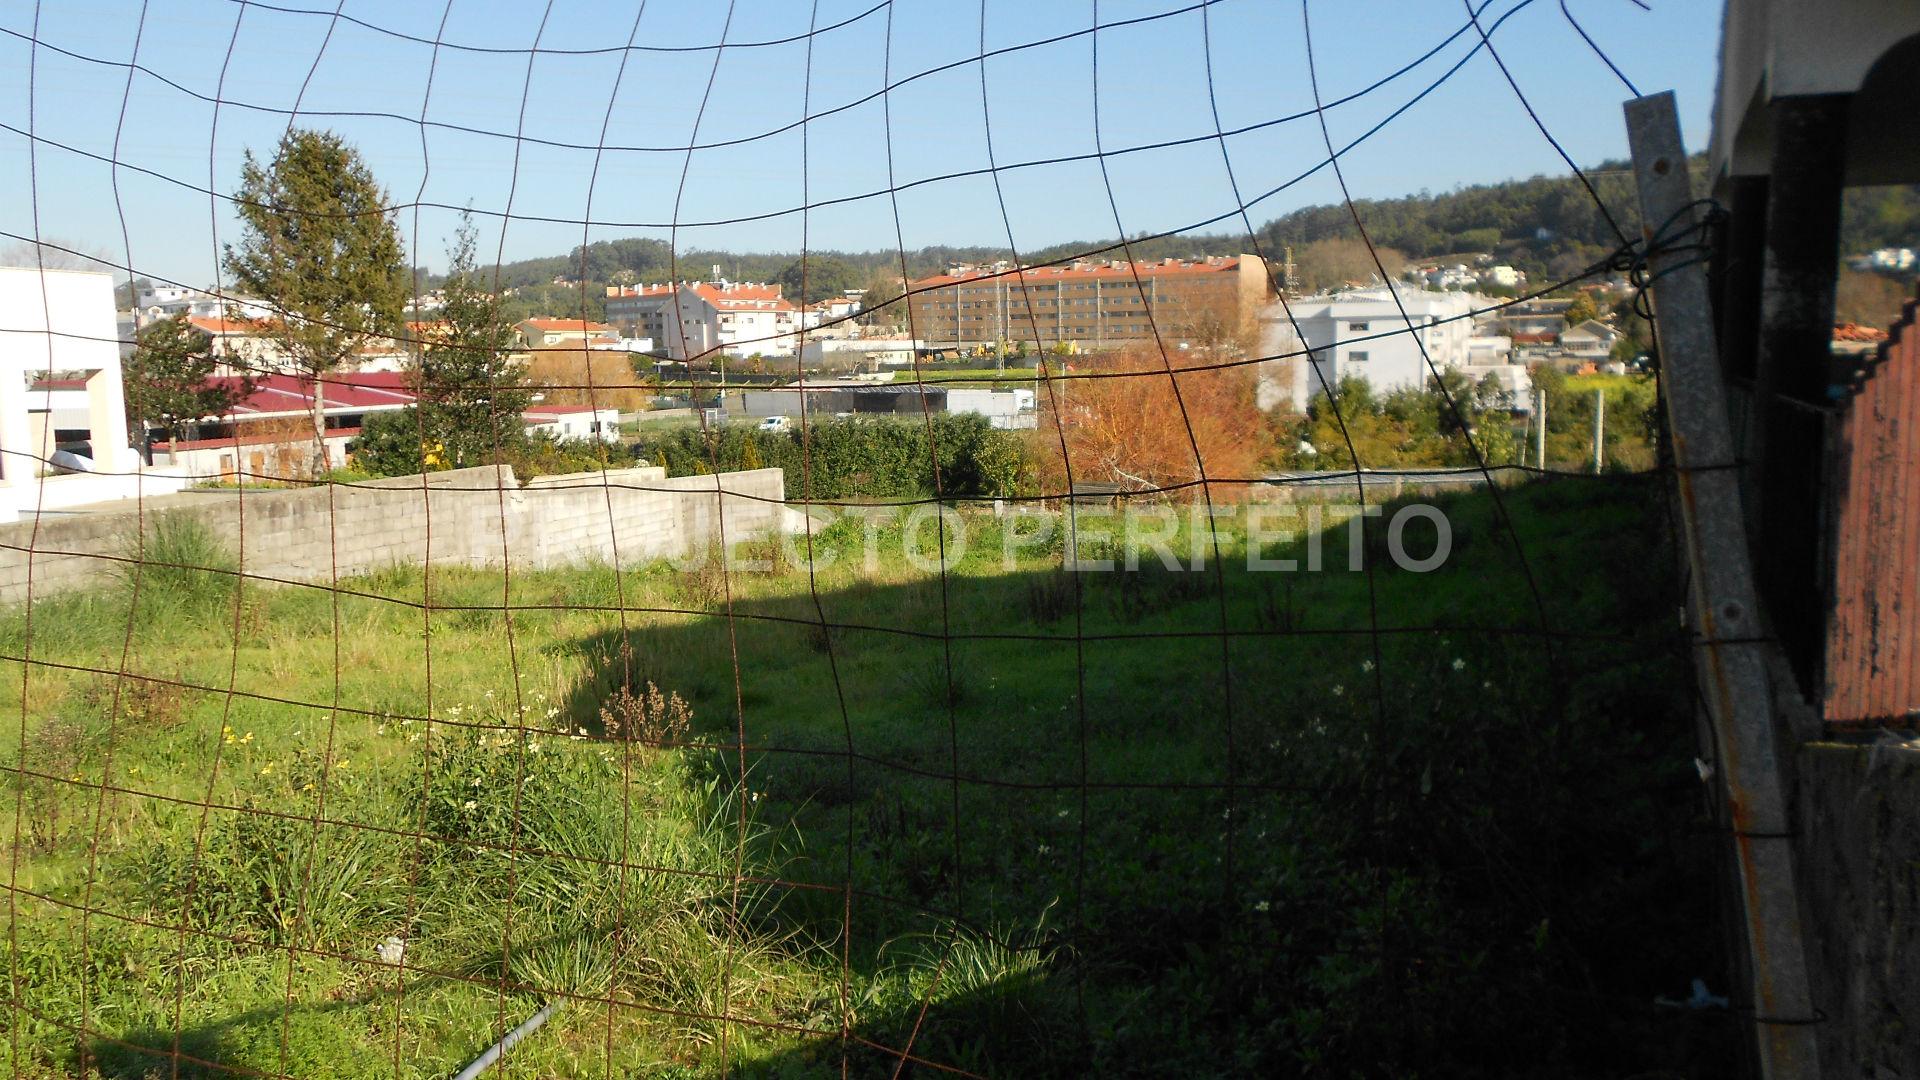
<point>1860,863</point>
<point>462,517</point>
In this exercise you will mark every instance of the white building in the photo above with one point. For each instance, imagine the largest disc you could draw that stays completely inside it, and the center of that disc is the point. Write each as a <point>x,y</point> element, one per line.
<point>574,422</point>
<point>624,344</point>
<point>696,319</point>
<point>858,354</point>
<point>1364,333</point>
<point>737,318</point>
<point>58,327</point>
<point>1514,380</point>
<point>1006,409</point>
<point>1504,277</point>
<point>1488,351</point>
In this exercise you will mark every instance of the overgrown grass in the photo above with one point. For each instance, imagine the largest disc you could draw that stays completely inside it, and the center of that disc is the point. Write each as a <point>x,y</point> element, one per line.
<point>1457,846</point>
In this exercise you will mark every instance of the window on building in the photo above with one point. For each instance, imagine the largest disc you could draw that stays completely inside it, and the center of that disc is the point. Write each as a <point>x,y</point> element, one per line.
<point>1358,327</point>
<point>1357,357</point>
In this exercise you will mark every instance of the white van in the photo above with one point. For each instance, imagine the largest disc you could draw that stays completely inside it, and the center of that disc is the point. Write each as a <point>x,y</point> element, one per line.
<point>772,424</point>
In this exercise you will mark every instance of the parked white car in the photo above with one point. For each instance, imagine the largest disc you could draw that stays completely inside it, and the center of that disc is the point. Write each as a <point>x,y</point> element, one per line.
<point>773,424</point>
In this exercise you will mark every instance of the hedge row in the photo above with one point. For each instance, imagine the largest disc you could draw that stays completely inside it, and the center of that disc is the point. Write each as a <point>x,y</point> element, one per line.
<point>859,457</point>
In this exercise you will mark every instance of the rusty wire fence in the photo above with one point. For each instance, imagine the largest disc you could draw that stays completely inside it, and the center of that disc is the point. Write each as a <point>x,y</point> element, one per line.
<point>350,776</point>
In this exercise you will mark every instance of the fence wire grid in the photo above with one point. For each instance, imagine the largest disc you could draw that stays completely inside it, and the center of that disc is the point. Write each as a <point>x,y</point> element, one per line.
<point>777,815</point>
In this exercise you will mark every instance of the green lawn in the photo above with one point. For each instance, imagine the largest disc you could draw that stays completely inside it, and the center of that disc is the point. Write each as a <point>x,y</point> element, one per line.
<point>1104,823</point>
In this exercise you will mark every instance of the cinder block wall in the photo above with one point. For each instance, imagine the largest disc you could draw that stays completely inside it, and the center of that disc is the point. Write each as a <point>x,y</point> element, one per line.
<point>1859,841</point>
<point>464,517</point>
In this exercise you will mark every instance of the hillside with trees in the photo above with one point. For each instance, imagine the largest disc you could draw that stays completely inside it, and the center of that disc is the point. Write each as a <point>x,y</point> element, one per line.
<point>1548,227</point>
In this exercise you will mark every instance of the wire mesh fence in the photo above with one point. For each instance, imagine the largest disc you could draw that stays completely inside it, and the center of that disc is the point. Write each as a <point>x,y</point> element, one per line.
<point>1104,747</point>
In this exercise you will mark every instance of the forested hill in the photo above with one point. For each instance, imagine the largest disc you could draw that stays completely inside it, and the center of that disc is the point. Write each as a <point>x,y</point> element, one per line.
<point>1547,226</point>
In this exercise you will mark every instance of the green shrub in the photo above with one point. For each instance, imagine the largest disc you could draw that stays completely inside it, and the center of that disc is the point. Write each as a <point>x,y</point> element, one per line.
<point>389,445</point>
<point>859,457</point>
<point>183,563</point>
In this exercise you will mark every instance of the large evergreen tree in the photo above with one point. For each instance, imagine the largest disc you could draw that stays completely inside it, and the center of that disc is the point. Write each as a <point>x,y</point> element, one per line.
<point>321,248</point>
<point>471,395</point>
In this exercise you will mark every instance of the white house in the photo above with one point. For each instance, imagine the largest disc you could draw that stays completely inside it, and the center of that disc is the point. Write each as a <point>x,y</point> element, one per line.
<point>1362,332</point>
<point>1007,409</point>
<point>574,422</point>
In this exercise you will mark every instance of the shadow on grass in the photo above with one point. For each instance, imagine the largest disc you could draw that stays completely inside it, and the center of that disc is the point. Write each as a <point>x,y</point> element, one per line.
<point>1271,840</point>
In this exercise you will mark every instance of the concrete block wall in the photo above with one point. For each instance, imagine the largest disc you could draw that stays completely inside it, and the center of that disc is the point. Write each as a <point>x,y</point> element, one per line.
<point>1859,850</point>
<point>477,517</point>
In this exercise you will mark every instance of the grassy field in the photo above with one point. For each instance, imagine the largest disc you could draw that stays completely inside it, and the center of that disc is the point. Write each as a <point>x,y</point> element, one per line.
<point>1029,823</point>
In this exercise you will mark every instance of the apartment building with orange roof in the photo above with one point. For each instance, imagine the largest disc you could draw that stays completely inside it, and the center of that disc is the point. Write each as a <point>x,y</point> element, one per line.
<point>697,319</point>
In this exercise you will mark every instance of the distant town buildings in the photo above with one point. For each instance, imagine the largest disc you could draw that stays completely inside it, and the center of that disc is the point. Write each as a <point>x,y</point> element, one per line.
<point>1455,277</point>
<point>1091,304</point>
<point>569,334</point>
<point>153,302</point>
<point>269,432</point>
<point>829,311</point>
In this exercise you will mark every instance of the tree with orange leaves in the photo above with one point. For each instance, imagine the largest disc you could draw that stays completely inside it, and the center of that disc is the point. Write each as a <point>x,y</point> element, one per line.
<point>1125,424</point>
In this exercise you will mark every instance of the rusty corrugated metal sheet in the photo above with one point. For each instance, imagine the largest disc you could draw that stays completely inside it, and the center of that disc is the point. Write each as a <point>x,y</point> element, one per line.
<point>1873,632</point>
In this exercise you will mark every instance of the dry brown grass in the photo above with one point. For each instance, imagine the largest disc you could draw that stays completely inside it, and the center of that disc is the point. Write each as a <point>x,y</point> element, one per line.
<point>585,377</point>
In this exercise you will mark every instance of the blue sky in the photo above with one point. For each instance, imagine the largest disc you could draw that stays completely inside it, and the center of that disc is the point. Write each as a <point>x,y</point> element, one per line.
<point>1153,87</point>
